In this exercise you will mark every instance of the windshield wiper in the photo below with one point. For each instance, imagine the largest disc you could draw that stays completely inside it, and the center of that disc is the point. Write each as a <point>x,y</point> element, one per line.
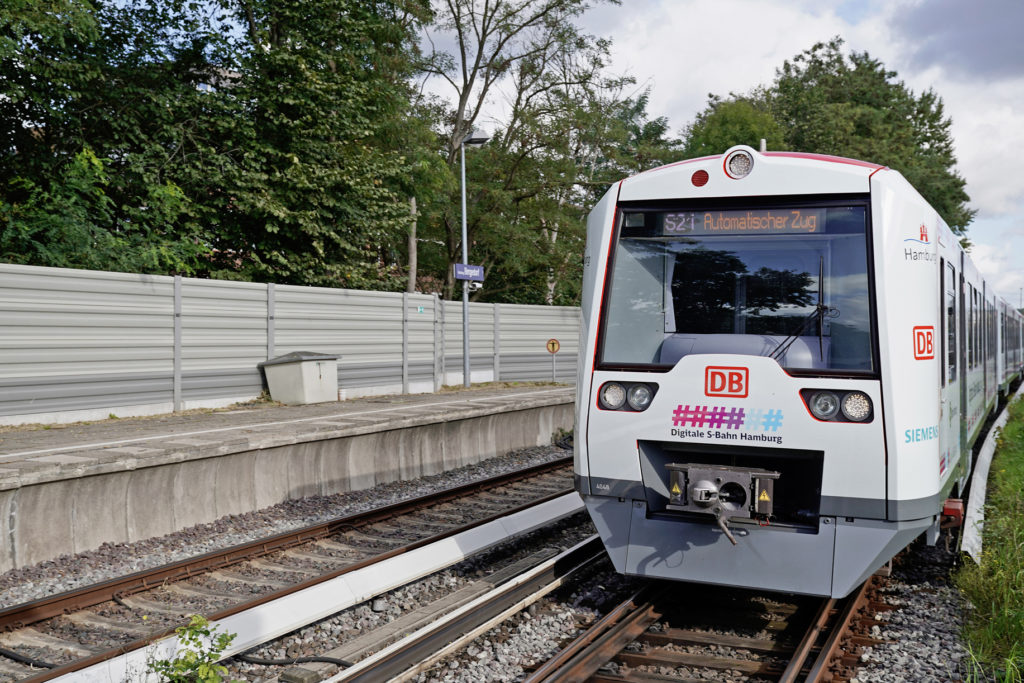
<point>820,312</point>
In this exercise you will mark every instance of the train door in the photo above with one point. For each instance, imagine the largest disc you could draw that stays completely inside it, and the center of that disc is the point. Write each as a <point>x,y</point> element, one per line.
<point>951,426</point>
<point>961,349</point>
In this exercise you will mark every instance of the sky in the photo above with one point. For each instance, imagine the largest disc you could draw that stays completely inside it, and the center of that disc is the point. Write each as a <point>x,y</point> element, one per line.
<point>969,52</point>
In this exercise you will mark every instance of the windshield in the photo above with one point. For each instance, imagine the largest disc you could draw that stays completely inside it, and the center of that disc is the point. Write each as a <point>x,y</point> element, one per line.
<point>786,282</point>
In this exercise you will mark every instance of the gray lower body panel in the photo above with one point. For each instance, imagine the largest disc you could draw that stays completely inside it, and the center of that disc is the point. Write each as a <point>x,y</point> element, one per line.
<point>833,561</point>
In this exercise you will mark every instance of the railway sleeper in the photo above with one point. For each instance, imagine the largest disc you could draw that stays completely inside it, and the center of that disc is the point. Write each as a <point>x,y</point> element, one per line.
<point>660,658</point>
<point>233,577</point>
<point>93,620</point>
<point>687,637</point>
<point>31,638</point>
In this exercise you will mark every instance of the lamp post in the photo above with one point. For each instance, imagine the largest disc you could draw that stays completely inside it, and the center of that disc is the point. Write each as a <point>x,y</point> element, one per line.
<point>474,139</point>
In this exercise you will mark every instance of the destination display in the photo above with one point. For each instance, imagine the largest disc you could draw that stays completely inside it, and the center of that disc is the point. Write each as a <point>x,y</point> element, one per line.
<point>744,222</point>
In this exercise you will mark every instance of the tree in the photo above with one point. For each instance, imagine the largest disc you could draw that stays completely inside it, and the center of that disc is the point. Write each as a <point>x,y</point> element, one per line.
<point>825,102</point>
<point>853,107</point>
<point>567,130</point>
<point>90,94</point>
<point>735,121</point>
<point>313,196</point>
<point>515,39</point>
<point>245,139</point>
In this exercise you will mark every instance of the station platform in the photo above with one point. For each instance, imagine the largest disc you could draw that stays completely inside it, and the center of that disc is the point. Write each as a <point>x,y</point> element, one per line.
<point>71,488</point>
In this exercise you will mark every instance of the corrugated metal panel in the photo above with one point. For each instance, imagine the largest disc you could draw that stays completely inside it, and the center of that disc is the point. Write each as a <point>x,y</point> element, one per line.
<point>107,337</point>
<point>481,339</point>
<point>364,328</point>
<point>525,331</point>
<point>85,340</point>
<point>224,337</point>
<point>420,315</point>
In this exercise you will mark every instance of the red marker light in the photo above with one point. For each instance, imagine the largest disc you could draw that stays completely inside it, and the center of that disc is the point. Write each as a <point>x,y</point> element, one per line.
<point>699,178</point>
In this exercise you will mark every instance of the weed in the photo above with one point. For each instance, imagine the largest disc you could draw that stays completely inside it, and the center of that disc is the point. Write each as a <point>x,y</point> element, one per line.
<point>199,650</point>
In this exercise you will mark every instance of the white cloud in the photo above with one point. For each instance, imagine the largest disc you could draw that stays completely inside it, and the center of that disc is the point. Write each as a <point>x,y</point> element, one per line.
<point>687,49</point>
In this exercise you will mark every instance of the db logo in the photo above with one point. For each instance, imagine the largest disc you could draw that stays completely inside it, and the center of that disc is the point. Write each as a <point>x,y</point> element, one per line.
<point>723,381</point>
<point>924,343</point>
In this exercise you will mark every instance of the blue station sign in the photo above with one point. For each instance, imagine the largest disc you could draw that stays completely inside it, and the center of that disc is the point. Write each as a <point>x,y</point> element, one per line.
<point>464,271</point>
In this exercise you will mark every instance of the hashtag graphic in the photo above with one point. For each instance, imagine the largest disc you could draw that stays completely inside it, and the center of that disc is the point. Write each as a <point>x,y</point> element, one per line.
<point>772,420</point>
<point>754,421</point>
<point>734,420</point>
<point>718,418</point>
<point>684,415</point>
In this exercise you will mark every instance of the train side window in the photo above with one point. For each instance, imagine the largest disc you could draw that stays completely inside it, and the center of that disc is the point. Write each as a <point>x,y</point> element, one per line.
<point>950,323</point>
<point>969,331</point>
<point>974,327</point>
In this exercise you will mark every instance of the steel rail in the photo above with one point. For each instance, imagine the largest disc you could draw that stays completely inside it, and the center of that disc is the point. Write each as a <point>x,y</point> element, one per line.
<point>240,607</point>
<point>19,616</point>
<point>596,646</point>
<point>803,651</point>
<point>854,602</point>
<point>410,656</point>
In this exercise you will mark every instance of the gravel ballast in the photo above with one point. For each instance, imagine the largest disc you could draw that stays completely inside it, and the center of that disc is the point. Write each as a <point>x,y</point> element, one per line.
<point>922,630</point>
<point>111,560</point>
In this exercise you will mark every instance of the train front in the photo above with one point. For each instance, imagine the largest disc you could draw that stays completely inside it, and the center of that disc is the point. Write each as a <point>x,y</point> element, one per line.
<point>729,423</point>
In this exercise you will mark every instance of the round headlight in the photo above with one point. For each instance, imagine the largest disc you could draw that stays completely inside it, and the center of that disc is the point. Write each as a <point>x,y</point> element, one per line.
<point>613,396</point>
<point>856,406</point>
<point>739,164</point>
<point>639,396</point>
<point>824,405</point>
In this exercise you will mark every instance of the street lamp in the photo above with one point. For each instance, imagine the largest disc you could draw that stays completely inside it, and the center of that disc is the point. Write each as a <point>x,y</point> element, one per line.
<point>474,139</point>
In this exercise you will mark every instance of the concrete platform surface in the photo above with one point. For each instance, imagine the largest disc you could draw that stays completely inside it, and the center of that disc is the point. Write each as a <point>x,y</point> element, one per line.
<point>68,488</point>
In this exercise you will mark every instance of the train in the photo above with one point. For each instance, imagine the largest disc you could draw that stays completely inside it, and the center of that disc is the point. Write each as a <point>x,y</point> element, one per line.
<point>785,361</point>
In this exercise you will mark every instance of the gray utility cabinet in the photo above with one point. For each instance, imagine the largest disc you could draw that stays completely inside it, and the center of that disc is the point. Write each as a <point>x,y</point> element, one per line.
<point>302,377</point>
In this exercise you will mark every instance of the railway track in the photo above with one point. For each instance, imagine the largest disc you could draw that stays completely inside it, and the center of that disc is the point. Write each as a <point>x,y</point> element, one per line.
<point>76,631</point>
<point>690,633</point>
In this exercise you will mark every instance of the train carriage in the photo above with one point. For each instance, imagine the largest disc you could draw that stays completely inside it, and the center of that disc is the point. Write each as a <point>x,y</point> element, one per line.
<point>786,358</point>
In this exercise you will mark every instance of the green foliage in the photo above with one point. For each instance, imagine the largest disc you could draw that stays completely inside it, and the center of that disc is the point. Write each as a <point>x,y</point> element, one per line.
<point>569,133</point>
<point>250,140</point>
<point>825,102</point>
<point>315,198</point>
<point>85,131</point>
<point>995,627</point>
<point>736,121</point>
<point>853,106</point>
<point>282,140</point>
<point>199,650</point>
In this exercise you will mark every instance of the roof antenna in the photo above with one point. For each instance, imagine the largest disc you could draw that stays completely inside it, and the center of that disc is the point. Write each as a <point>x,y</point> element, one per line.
<point>764,146</point>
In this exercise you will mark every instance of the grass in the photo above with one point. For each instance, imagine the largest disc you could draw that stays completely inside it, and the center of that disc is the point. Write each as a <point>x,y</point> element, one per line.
<point>994,631</point>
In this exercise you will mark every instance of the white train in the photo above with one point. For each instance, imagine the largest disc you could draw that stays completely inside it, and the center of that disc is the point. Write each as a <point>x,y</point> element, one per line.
<point>786,360</point>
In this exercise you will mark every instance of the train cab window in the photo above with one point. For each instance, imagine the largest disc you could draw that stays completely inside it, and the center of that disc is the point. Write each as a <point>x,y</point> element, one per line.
<point>787,282</point>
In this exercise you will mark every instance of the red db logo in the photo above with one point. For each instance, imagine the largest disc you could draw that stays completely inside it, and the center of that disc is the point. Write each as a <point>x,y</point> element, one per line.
<point>723,381</point>
<point>924,343</point>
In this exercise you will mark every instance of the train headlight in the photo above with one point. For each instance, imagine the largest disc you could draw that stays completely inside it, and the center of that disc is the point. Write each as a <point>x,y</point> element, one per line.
<point>824,405</point>
<point>739,164</point>
<point>856,406</point>
<point>613,396</point>
<point>639,396</point>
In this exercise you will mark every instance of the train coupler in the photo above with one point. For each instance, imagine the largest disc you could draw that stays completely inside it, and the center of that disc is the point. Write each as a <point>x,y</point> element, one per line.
<point>724,492</point>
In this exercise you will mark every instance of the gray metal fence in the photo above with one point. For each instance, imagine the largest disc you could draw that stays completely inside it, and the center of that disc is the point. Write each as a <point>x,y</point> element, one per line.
<point>80,345</point>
